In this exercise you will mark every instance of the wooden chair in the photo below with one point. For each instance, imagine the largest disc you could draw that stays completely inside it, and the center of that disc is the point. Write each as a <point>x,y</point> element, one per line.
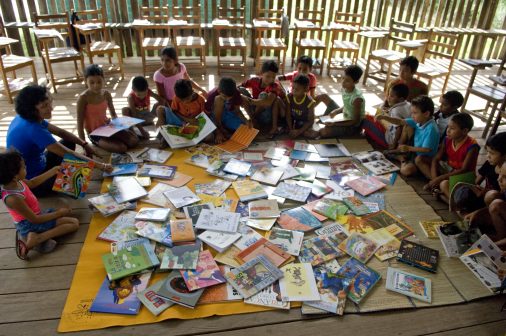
<point>92,25</point>
<point>188,36</point>
<point>53,50</point>
<point>9,63</point>
<point>268,37</point>
<point>344,38</point>
<point>308,35</point>
<point>443,47</point>
<point>158,17</point>
<point>398,32</point>
<point>231,37</point>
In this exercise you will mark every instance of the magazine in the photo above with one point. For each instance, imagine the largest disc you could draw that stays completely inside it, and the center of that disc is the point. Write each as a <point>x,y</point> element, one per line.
<point>73,177</point>
<point>411,285</point>
<point>176,137</point>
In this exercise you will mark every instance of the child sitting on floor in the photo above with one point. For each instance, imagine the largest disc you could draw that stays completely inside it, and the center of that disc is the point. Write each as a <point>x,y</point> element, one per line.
<point>353,108</point>
<point>92,107</point>
<point>139,104</point>
<point>449,106</point>
<point>34,228</point>
<point>458,154</point>
<point>423,130</point>
<point>407,72</point>
<point>300,109</point>
<point>185,106</point>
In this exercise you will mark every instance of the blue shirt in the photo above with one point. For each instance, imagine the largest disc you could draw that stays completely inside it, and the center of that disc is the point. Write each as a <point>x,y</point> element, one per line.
<point>426,136</point>
<point>30,138</point>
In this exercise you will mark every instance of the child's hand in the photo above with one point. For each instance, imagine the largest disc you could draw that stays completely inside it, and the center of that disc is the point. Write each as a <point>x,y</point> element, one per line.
<point>105,167</point>
<point>434,183</point>
<point>55,170</point>
<point>403,148</point>
<point>220,137</point>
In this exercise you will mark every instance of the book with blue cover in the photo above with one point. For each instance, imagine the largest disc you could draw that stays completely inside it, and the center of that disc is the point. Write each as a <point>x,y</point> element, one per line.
<point>362,279</point>
<point>298,219</point>
<point>122,169</point>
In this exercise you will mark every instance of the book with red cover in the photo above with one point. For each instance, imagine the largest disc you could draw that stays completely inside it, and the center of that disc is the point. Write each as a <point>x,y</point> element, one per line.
<point>262,246</point>
<point>366,185</point>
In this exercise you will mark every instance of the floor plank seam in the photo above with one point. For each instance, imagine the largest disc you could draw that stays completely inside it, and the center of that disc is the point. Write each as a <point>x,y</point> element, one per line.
<point>463,327</point>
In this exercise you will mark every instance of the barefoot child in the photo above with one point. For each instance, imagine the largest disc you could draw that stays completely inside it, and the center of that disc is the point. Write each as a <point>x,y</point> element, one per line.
<point>92,107</point>
<point>34,228</point>
<point>300,110</point>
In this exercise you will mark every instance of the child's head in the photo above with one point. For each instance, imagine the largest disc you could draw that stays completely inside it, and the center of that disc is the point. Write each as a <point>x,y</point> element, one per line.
<point>140,86</point>
<point>269,71</point>
<point>12,166</point>
<point>459,126</point>
<point>183,89</point>
<point>34,103</point>
<point>496,149</point>
<point>304,64</point>
<point>450,102</point>
<point>227,87</point>
<point>408,67</point>
<point>351,77</point>
<point>422,109</point>
<point>398,93</point>
<point>168,58</point>
<point>94,78</point>
<point>300,86</point>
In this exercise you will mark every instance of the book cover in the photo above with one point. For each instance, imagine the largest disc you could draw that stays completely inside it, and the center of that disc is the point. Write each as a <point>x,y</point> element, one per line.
<point>177,139</point>
<point>298,155</point>
<point>331,150</point>
<point>368,156</point>
<point>206,274</point>
<point>381,167</point>
<point>120,296</point>
<point>429,227</point>
<point>248,236</point>
<point>218,220</point>
<point>288,240</point>
<point>388,244</point>
<point>122,169</point>
<point>264,224</point>
<point>119,159</point>
<point>216,169</point>
<point>253,276</point>
<point>253,156</point>
<point>214,188</point>
<point>331,229</point>
<point>144,181</point>
<point>227,257</point>
<point>237,167</point>
<point>298,283</point>
<point>220,293</point>
<point>270,296</point>
<point>116,125</point>
<point>158,232</point>
<point>307,174</point>
<point>298,219</point>
<point>330,208</point>
<point>155,304</point>
<point>121,228</point>
<point>73,177</point>
<point>155,155</point>
<point>362,279</point>
<point>366,185</point>
<point>248,190</point>
<point>264,247</point>
<point>155,195</point>
<point>220,241</point>
<point>418,255</point>
<point>275,153</point>
<point>377,198</point>
<point>181,197</point>
<point>181,257</point>
<point>126,190</point>
<point>267,175</point>
<point>240,140</point>
<point>292,191</point>
<point>319,188</point>
<point>396,226</point>
<point>153,214</point>
<point>158,171</point>
<point>320,249</point>
<point>179,180</point>
<point>193,211</point>
<point>359,246</point>
<point>182,230</point>
<point>356,205</point>
<point>106,205</point>
<point>174,289</point>
<point>408,284</point>
<point>263,209</point>
<point>310,207</point>
<point>302,146</point>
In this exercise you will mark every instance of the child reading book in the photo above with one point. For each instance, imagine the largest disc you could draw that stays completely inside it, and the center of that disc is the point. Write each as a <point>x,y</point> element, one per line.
<point>139,104</point>
<point>353,109</point>
<point>449,106</point>
<point>407,72</point>
<point>35,228</point>
<point>185,106</point>
<point>423,130</point>
<point>300,109</point>
<point>458,154</point>
<point>92,107</point>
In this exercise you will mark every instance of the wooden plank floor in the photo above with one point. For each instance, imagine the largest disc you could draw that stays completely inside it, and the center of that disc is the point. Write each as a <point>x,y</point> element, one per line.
<point>32,294</point>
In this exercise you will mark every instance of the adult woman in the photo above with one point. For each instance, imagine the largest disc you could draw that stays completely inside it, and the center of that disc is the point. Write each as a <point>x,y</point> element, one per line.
<point>32,135</point>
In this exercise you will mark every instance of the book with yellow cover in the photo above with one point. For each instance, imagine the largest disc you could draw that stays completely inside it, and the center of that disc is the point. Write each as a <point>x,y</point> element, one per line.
<point>298,283</point>
<point>241,139</point>
<point>182,230</point>
<point>429,227</point>
<point>248,190</point>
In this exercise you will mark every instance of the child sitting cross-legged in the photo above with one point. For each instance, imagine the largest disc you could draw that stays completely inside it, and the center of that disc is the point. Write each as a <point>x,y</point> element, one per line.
<point>449,106</point>
<point>458,154</point>
<point>35,228</point>
<point>300,110</point>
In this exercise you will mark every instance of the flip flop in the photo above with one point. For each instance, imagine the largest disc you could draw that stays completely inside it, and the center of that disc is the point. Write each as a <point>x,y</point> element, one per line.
<point>21,249</point>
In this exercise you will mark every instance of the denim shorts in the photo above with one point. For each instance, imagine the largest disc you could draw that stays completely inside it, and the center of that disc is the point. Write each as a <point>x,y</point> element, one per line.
<point>24,227</point>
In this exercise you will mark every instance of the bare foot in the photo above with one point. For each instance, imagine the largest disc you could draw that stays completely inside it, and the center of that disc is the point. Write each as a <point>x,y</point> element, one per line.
<point>33,239</point>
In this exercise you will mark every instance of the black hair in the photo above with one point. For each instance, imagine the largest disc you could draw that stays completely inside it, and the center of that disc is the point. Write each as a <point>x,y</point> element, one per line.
<point>424,103</point>
<point>455,98</point>
<point>401,90</point>
<point>304,59</point>
<point>170,52</point>
<point>183,88</point>
<point>411,62</point>
<point>227,86</point>
<point>270,66</point>
<point>463,120</point>
<point>93,70</point>
<point>10,164</point>
<point>302,80</point>
<point>497,142</point>
<point>354,71</point>
<point>27,99</point>
<point>139,83</point>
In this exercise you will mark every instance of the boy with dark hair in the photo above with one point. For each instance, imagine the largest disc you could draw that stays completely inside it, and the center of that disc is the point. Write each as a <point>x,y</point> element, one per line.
<point>407,71</point>
<point>185,106</point>
<point>300,109</point>
<point>449,106</point>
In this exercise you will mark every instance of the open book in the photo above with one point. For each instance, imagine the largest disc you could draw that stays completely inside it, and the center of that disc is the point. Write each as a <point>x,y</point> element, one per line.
<point>116,125</point>
<point>240,140</point>
<point>177,139</point>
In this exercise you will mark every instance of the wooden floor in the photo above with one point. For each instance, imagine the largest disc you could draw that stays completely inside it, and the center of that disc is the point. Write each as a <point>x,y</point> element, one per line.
<point>32,294</point>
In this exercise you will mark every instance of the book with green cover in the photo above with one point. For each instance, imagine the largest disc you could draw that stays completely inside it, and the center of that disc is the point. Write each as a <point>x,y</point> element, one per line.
<point>330,208</point>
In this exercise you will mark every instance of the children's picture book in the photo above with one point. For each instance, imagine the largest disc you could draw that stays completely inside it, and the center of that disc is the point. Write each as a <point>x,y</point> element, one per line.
<point>106,205</point>
<point>158,232</point>
<point>330,208</point>
<point>218,220</point>
<point>388,244</point>
<point>298,219</point>
<point>216,169</point>
<point>253,276</point>
<point>248,237</point>
<point>144,181</point>
<point>307,174</point>
<point>331,229</point>
<point>319,188</point>
<point>270,296</point>
<point>306,147</point>
<point>267,175</point>
<point>315,157</point>
<point>122,169</point>
<point>155,155</point>
<point>264,224</point>
<point>263,209</point>
<point>126,190</point>
<point>220,241</point>
<point>120,296</point>
<point>182,230</point>
<point>366,185</point>
<point>408,284</point>
<point>206,274</point>
<point>253,156</point>
<point>193,211</point>
<point>181,197</point>
<point>288,240</point>
<point>418,255</point>
<point>292,191</point>
<point>359,246</point>
<point>429,227</point>
<point>220,293</point>
<point>248,190</point>
<point>174,290</point>
<point>186,136</point>
<point>320,249</point>
<point>118,159</point>
<point>338,193</point>
<point>332,150</point>
<point>275,153</point>
<point>73,177</point>
<point>181,257</point>
<point>362,279</point>
<point>395,225</point>
<point>158,171</point>
<point>454,237</point>
<point>121,228</point>
<point>153,214</point>
<point>237,167</point>
<point>298,155</point>
<point>178,180</point>
<point>356,206</point>
<point>214,188</point>
<point>377,198</point>
<point>116,125</point>
<point>288,171</point>
<point>381,167</point>
<point>155,304</point>
<point>264,247</point>
<point>241,139</point>
<point>298,283</point>
<point>155,195</point>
